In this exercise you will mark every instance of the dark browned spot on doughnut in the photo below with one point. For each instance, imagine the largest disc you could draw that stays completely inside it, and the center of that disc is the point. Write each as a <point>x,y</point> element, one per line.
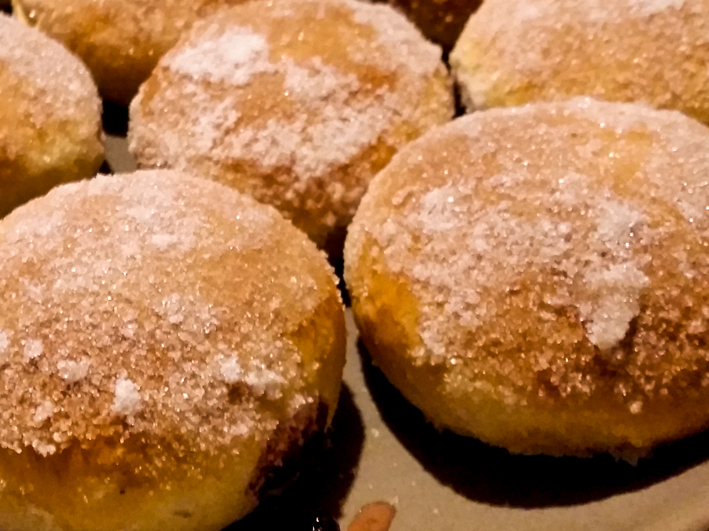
<point>281,460</point>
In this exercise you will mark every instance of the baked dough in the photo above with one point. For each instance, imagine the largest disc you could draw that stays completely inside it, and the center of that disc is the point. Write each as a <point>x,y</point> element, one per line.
<point>50,116</point>
<point>296,102</point>
<point>651,51</point>
<point>165,343</point>
<point>119,40</point>
<point>538,277</point>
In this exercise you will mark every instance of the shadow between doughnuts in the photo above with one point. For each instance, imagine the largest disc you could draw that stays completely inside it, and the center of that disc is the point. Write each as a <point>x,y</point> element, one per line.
<point>318,482</point>
<point>492,475</point>
<point>115,119</point>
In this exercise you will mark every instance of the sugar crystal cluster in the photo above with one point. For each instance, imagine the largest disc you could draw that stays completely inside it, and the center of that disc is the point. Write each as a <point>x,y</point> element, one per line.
<point>550,248</point>
<point>297,103</point>
<point>652,51</point>
<point>151,304</point>
<point>56,83</point>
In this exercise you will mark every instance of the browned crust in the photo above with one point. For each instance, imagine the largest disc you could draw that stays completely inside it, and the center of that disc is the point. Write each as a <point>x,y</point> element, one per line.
<point>120,41</point>
<point>281,458</point>
<point>316,110</point>
<point>653,52</point>
<point>123,423</point>
<point>207,332</point>
<point>483,335</point>
<point>48,135</point>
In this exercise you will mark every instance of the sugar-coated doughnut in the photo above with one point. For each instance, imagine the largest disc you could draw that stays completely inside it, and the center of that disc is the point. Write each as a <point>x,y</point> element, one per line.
<point>164,343</point>
<point>50,116</point>
<point>651,51</point>
<point>439,20</point>
<point>538,277</point>
<point>119,40</point>
<point>296,102</point>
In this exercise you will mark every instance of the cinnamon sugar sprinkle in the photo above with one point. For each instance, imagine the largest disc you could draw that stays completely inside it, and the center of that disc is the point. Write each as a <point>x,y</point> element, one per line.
<point>56,83</point>
<point>291,91</point>
<point>652,51</point>
<point>153,304</point>
<point>542,239</point>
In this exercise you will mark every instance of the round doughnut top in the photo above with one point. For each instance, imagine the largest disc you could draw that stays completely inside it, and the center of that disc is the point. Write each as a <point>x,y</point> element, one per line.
<point>53,83</point>
<point>143,22</point>
<point>154,304</point>
<point>120,40</point>
<point>654,51</point>
<point>565,243</point>
<point>306,85</point>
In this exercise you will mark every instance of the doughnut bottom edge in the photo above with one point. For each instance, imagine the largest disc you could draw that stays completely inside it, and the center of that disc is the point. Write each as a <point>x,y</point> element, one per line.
<point>386,314</point>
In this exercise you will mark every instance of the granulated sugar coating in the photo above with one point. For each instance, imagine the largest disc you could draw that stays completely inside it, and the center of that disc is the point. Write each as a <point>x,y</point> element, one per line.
<point>298,103</point>
<point>61,85</point>
<point>120,41</point>
<point>538,277</point>
<point>50,118</point>
<point>171,337</point>
<point>652,51</point>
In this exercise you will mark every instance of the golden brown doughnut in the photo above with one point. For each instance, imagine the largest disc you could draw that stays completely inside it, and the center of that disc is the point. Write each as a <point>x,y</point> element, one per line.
<point>119,40</point>
<point>538,277</point>
<point>439,20</point>
<point>296,102</point>
<point>50,116</point>
<point>651,51</point>
<point>164,343</point>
